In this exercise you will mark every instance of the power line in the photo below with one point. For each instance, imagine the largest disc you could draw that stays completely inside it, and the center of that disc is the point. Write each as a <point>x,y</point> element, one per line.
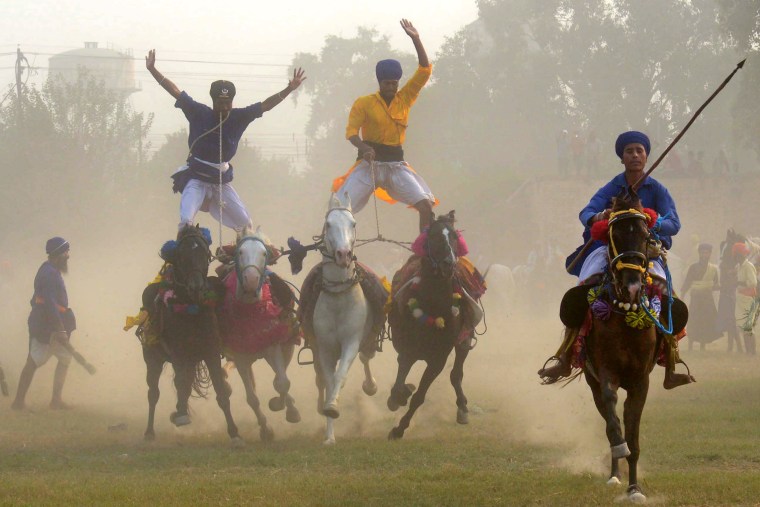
<point>126,57</point>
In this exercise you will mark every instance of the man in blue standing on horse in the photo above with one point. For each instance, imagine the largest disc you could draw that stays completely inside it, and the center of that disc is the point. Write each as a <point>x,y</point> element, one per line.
<point>208,172</point>
<point>633,149</point>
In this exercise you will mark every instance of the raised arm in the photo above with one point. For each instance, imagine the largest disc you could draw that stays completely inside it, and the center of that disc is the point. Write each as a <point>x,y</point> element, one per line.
<point>298,78</point>
<point>166,84</point>
<point>413,34</point>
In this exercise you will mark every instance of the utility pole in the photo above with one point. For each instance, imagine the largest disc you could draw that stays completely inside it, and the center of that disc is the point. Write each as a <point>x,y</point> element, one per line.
<point>19,71</point>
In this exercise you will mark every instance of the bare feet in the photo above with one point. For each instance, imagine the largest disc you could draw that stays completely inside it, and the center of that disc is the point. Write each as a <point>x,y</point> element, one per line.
<point>554,373</point>
<point>59,405</point>
<point>673,380</point>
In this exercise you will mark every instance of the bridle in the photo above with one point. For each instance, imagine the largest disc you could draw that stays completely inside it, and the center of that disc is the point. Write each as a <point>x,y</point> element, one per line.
<point>240,269</point>
<point>436,264</point>
<point>180,273</point>
<point>323,243</point>
<point>324,249</point>
<point>616,261</point>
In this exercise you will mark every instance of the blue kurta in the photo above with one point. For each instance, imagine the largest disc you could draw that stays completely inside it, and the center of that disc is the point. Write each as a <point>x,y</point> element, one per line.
<point>50,304</point>
<point>202,119</point>
<point>652,194</point>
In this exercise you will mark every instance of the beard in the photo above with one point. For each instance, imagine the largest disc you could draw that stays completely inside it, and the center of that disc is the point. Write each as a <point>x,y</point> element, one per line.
<point>62,264</point>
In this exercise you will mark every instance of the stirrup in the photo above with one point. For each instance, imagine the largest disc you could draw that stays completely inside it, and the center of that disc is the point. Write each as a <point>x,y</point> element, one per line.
<point>546,380</point>
<point>681,361</point>
<point>305,362</point>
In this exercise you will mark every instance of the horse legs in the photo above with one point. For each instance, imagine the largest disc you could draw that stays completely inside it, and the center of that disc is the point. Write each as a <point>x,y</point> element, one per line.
<point>433,369</point>
<point>632,410</point>
<point>155,365</point>
<point>457,374</point>
<point>602,399</point>
<point>400,392</point>
<point>369,386</point>
<point>246,375</point>
<point>222,390</point>
<point>347,356</point>
<point>279,360</point>
<point>184,372</point>
<point>326,363</point>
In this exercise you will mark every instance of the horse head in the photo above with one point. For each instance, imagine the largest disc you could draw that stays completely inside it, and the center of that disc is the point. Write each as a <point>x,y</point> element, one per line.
<point>628,234</point>
<point>339,232</point>
<point>253,253</point>
<point>191,261</point>
<point>441,247</point>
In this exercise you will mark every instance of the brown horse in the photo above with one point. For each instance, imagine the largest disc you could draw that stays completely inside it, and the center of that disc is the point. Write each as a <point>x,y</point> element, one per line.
<point>426,323</point>
<point>619,355</point>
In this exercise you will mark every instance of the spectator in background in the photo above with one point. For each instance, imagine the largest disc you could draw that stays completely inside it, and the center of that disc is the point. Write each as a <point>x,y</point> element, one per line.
<point>702,281</point>
<point>746,295</point>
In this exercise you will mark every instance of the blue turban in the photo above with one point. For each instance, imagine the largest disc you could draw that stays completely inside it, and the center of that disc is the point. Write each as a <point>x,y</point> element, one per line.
<point>56,245</point>
<point>388,69</point>
<point>631,137</point>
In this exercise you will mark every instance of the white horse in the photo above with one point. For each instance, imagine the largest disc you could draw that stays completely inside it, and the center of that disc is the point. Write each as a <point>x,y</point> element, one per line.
<point>250,279</point>
<point>342,315</point>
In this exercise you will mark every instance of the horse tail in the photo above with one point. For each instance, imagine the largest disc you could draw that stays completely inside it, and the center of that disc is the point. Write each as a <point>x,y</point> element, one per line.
<point>201,381</point>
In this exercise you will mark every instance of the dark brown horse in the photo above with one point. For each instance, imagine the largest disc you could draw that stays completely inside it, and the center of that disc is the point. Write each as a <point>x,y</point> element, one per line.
<point>182,316</point>
<point>619,355</point>
<point>426,322</point>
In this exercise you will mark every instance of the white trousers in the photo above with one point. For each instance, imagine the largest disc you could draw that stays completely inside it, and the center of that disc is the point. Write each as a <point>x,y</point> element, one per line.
<point>42,352</point>
<point>202,196</point>
<point>397,178</point>
<point>597,262</point>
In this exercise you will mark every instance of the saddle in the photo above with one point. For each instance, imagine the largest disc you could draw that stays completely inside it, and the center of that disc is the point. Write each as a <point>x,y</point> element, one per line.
<point>575,307</point>
<point>252,327</point>
<point>374,291</point>
<point>466,275</point>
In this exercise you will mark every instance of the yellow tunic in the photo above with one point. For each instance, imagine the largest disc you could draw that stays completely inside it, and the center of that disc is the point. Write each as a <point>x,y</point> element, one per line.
<point>381,123</point>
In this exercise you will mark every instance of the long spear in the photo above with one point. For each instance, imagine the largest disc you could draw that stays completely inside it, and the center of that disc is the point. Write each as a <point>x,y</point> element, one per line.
<point>638,182</point>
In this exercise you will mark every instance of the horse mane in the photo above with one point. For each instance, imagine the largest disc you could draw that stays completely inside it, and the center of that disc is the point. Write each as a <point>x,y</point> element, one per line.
<point>249,231</point>
<point>627,200</point>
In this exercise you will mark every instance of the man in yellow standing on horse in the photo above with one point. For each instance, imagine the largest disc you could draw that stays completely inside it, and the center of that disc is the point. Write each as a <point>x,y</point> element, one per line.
<point>382,119</point>
<point>633,149</point>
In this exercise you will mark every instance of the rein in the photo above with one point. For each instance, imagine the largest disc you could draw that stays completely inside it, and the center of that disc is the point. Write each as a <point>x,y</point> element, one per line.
<point>323,249</point>
<point>240,270</point>
<point>179,270</point>
<point>618,216</point>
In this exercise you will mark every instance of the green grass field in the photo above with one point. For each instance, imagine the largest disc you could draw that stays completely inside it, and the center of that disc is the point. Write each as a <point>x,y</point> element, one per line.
<point>700,446</point>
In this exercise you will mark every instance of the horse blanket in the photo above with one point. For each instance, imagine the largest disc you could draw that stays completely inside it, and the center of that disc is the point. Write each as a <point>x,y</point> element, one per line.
<point>374,291</point>
<point>249,328</point>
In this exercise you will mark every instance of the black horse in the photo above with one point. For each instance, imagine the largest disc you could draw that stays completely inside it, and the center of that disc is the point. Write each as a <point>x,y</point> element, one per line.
<point>426,322</point>
<point>183,320</point>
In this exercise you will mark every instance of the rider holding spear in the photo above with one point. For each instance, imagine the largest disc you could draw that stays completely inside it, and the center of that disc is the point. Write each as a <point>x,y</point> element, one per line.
<point>633,149</point>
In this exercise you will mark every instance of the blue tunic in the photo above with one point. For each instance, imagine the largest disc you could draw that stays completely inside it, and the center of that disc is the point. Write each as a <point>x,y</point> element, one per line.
<point>652,194</point>
<point>202,119</point>
<point>50,304</point>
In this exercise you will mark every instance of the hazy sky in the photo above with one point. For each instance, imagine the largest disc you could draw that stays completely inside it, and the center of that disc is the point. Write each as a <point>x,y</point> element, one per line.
<point>232,30</point>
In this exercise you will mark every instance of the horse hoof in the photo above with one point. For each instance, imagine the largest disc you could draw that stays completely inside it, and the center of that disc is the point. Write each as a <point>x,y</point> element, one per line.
<point>392,404</point>
<point>396,434</point>
<point>635,495</point>
<point>370,389</point>
<point>292,415</point>
<point>329,441</point>
<point>463,417</point>
<point>613,481</point>
<point>620,451</point>
<point>237,443</point>
<point>331,410</point>
<point>179,420</point>
<point>149,437</point>
<point>266,434</point>
<point>276,404</point>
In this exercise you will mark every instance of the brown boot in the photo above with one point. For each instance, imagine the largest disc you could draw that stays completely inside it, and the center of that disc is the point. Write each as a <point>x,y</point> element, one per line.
<point>673,379</point>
